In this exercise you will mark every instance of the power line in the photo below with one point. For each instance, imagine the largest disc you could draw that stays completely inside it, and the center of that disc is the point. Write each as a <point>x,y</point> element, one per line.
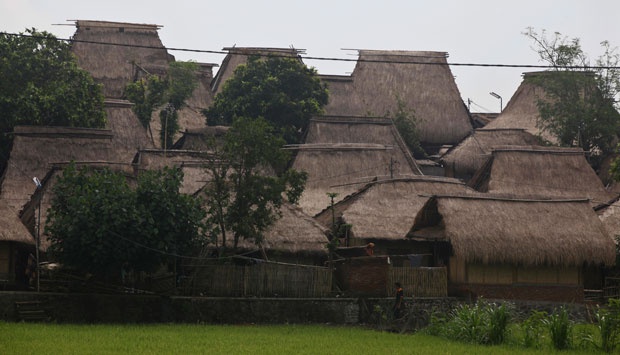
<point>484,65</point>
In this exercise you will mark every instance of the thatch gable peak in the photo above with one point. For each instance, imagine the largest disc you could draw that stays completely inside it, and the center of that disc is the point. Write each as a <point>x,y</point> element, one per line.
<point>100,25</point>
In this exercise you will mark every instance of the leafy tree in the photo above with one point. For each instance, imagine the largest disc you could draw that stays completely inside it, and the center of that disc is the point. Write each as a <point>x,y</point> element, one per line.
<point>580,107</point>
<point>242,197</point>
<point>41,84</point>
<point>405,121</point>
<point>97,222</point>
<point>282,90</point>
<point>168,93</point>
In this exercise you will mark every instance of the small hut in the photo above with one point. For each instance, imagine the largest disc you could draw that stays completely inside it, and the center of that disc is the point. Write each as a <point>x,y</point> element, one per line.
<point>508,248</point>
<point>540,171</point>
<point>466,158</point>
<point>421,80</point>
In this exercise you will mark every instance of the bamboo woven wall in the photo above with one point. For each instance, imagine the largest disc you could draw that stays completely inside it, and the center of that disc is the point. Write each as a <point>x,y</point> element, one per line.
<point>420,281</point>
<point>262,280</point>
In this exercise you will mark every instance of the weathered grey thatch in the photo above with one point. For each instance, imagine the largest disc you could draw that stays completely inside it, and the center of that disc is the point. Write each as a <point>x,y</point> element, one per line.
<point>35,149</point>
<point>422,80</point>
<point>293,233</point>
<point>11,227</point>
<point>540,171</point>
<point>128,133</point>
<point>387,209</point>
<point>496,230</point>
<point>239,55</point>
<point>466,158</point>
<point>192,163</point>
<point>522,109</point>
<point>137,46</point>
<point>199,139</point>
<point>343,153</point>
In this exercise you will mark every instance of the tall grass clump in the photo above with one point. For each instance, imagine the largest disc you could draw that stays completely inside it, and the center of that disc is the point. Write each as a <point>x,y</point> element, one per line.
<point>479,323</point>
<point>533,328</point>
<point>560,328</point>
<point>608,325</point>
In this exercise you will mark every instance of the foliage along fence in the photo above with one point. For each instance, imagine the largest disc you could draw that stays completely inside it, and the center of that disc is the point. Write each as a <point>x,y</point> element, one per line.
<point>419,281</point>
<point>260,280</point>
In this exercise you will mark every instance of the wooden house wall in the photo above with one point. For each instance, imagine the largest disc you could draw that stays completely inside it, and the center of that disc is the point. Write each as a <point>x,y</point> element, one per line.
<point>5,260</point>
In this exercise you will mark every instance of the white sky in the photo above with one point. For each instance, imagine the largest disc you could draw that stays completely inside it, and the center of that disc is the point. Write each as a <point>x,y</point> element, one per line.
<point>474,31</point>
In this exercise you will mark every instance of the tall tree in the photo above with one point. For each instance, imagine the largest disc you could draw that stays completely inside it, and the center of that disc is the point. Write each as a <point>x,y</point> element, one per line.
<point>41,84</point>
<point>167,93</point>
<point>97,222</point>
<point>281,90</point>
<point>580,103</point>
<point>248,182</point>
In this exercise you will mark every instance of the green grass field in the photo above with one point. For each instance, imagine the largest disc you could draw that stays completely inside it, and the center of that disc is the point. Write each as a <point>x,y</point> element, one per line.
<point>29,338</point>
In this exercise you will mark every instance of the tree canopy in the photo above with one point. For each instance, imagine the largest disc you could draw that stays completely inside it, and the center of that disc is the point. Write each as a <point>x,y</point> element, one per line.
<point>282,90</point>
<point>167,93</point>
<point>97,222</point>
<point>248,182</point>
<point>41,84</point>
<point>580,103</point>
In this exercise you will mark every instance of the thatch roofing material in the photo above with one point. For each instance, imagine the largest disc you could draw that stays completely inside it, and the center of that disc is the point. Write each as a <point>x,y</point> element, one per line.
<point>239,55</point>
<point>192,163</point>
<point>116,65</point>
<point>422,80</point>
<point>128,133</point>
<point>511,231</point>
<point>11,227</point>
<point>541,171</point>
<point>294,233</point>
<point>387,209</point>
<point>466,158</point>
<point>522,109</point>
<point>343,153</point>
<point>35,149</point>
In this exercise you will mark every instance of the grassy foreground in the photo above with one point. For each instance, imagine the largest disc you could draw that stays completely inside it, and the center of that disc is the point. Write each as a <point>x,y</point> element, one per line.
<point>24,338</point>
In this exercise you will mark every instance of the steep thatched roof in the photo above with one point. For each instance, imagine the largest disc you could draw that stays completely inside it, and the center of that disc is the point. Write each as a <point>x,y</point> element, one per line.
<point>466,158</point>
<point>128,133</point>
<point>35,149</point>
<point>343,153</point>
<point>239,55</point>
<point>190,162</point>
<point>540,171</point>
<point>137,46</point>
<point>501,230</point>
<point>293,233</point>
<point>386,209</point>
<point>522,109</point>
<point>198,139</point>
<point>422,80</point>
<point>11,227</point>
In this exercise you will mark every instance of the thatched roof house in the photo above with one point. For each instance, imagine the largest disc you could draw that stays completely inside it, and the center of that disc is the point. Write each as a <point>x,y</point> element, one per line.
<point>239,55</point>
<point>540,171</point>
<point>11,227</point>
<point>294,238</point>
<point>128,134</point>
<point>529,232</point>
<point>502,247</point>
<point>385,210</point>
<point>35,149</point>
<point>114,52</point>
<point>422,80</point>
<point>343,153</point>
<point>522,109</point>
<point>16,243</point>
<point>465,159</point>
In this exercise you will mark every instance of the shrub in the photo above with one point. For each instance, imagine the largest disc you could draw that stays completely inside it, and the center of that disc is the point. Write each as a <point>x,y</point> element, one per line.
<point>608,324</point>
<point>481,323</point>
<point>532,329</point>
<point>560,328</point>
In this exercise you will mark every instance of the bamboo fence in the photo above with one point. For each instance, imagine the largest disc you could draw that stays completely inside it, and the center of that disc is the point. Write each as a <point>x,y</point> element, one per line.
<point>419,281</point>
<point>260,280</point>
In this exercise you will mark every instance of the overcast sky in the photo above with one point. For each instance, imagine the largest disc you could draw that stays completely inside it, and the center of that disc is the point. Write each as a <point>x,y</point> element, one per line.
<point>474,31</point>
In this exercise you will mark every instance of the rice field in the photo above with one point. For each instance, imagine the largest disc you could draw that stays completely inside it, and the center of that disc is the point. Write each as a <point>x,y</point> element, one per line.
<point>43,338</point>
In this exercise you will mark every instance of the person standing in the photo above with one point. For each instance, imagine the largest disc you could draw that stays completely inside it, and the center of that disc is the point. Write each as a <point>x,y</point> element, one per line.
<point>398,301</point>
